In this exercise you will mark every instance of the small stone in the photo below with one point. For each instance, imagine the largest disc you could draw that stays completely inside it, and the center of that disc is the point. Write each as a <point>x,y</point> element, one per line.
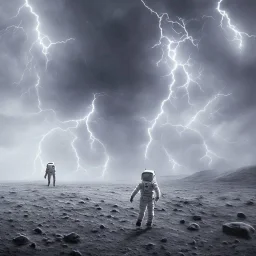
<point>102,226</point>
<point>33,245</point>
<point>72,238</point>
<point>38,231</point>
<point>164,240</point>
<point>197,217</point>
<point>150,246</point>
<point>75,253</point>
<point>20,240</point>
<point>115,206</point>
<point>250,202</point>
<point>229,205</point>
<point>241,215</point>
<point>25,215</point>
<point>81,202</point>
<point>236,241</point>
<point>94,231</point>
<point>193,227</point>
<point>193,242</point>
<point>99,208</point>
<point>182,221</point>
<point>64,245</point>
<point>225,242</point>
<point>114,210</point>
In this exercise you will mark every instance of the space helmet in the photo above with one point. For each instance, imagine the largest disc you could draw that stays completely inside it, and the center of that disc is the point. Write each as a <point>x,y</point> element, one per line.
<point>148,176</point>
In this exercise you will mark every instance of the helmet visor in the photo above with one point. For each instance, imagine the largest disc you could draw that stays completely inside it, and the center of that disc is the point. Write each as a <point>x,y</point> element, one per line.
<point>147,176</point>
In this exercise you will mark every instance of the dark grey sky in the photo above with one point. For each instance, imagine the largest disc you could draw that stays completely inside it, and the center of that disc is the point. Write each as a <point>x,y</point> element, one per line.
<point>112,54</point>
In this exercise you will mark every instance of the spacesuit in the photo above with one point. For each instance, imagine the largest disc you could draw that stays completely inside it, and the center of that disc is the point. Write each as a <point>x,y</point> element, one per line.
<point>50,171</point>
<point>148,188</point>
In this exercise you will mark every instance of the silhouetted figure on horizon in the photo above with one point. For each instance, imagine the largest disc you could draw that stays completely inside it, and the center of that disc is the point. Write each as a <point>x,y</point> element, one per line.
<point>50,171</point>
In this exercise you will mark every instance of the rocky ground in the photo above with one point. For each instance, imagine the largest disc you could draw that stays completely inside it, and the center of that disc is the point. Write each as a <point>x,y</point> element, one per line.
<point>97,219</point>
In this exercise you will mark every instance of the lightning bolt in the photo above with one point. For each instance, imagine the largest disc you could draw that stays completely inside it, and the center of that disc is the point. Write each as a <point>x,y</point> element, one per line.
<point>45,44</point>
<point>171,46</point>
<point>238,35</point>
<point>74,125</point>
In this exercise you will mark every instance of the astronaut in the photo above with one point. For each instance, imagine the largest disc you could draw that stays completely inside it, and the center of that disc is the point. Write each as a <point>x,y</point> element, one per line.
<point>148,188</point>
<point>50,171</point>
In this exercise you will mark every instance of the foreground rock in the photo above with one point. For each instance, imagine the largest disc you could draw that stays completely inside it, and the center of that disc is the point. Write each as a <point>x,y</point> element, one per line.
<point>75,253</point>
<point>193,227</point>
<point>239,229</point>
<point>20,240</point>
<point>72,238</point>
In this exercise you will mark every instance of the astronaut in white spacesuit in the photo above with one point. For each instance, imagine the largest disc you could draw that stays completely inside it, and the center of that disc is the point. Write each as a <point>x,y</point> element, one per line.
<point>148,188</point>
<point>50,171</point>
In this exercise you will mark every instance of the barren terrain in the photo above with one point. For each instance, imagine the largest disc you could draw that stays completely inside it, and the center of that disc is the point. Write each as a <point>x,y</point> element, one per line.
<point>104,219</point>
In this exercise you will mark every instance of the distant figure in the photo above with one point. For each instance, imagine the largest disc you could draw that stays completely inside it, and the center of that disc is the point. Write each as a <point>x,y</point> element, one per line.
<point>50,171</point>
<point>147,188</point>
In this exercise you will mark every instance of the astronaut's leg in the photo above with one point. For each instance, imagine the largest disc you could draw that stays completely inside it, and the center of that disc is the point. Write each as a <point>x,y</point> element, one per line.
<point>54,179</point>
<point>143,205</point>
<point>49,179</point>
<point>150,212</point>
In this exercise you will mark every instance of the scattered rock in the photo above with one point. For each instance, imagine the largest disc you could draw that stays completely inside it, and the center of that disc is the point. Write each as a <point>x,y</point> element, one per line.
<point>150,246</point>
<point>182,221</point>
<point>38,231</point>
<point>102,226</point>
<point>241,215</point>
<point>236,241</point>
<point>75,253</point>
<point>33,245</point>
<point>164,240</point>
<point>20,240</point>
<point>72,238</point>
<point>99,208</point>
<point>197,217</point>
<point>115,206</point>
<point>193,226</point>
<point>25,215</point>
<point>229,205</point>
<point>239,229</point>
<point>94,230</point>
<point>64,245</point>
<point>250,202</point>
<point>81,202</point>
<point>193,242</point>
<point>114,210</point>
<point>102,201</point>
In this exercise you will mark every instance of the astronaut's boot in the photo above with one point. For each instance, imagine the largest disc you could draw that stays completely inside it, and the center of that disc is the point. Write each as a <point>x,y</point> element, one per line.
<point>138,223</point>
<point>149,224</point>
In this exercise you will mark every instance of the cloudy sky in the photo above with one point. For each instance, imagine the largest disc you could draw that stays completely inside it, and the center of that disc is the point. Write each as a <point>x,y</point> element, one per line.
<point>48,84</point>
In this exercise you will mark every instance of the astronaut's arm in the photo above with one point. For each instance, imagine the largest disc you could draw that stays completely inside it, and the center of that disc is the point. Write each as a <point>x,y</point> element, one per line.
<point>157,190</point>
<point>46,172</point>
<point>135,192</point>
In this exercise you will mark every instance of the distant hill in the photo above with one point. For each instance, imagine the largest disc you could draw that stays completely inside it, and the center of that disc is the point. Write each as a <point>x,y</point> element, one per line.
<point>204,176</point>
<point>243,175</point>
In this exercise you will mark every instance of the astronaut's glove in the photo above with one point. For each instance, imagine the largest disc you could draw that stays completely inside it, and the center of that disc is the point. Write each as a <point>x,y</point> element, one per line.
<point>45,177</point>
<point>157,198</point>
<point>131,199</point>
